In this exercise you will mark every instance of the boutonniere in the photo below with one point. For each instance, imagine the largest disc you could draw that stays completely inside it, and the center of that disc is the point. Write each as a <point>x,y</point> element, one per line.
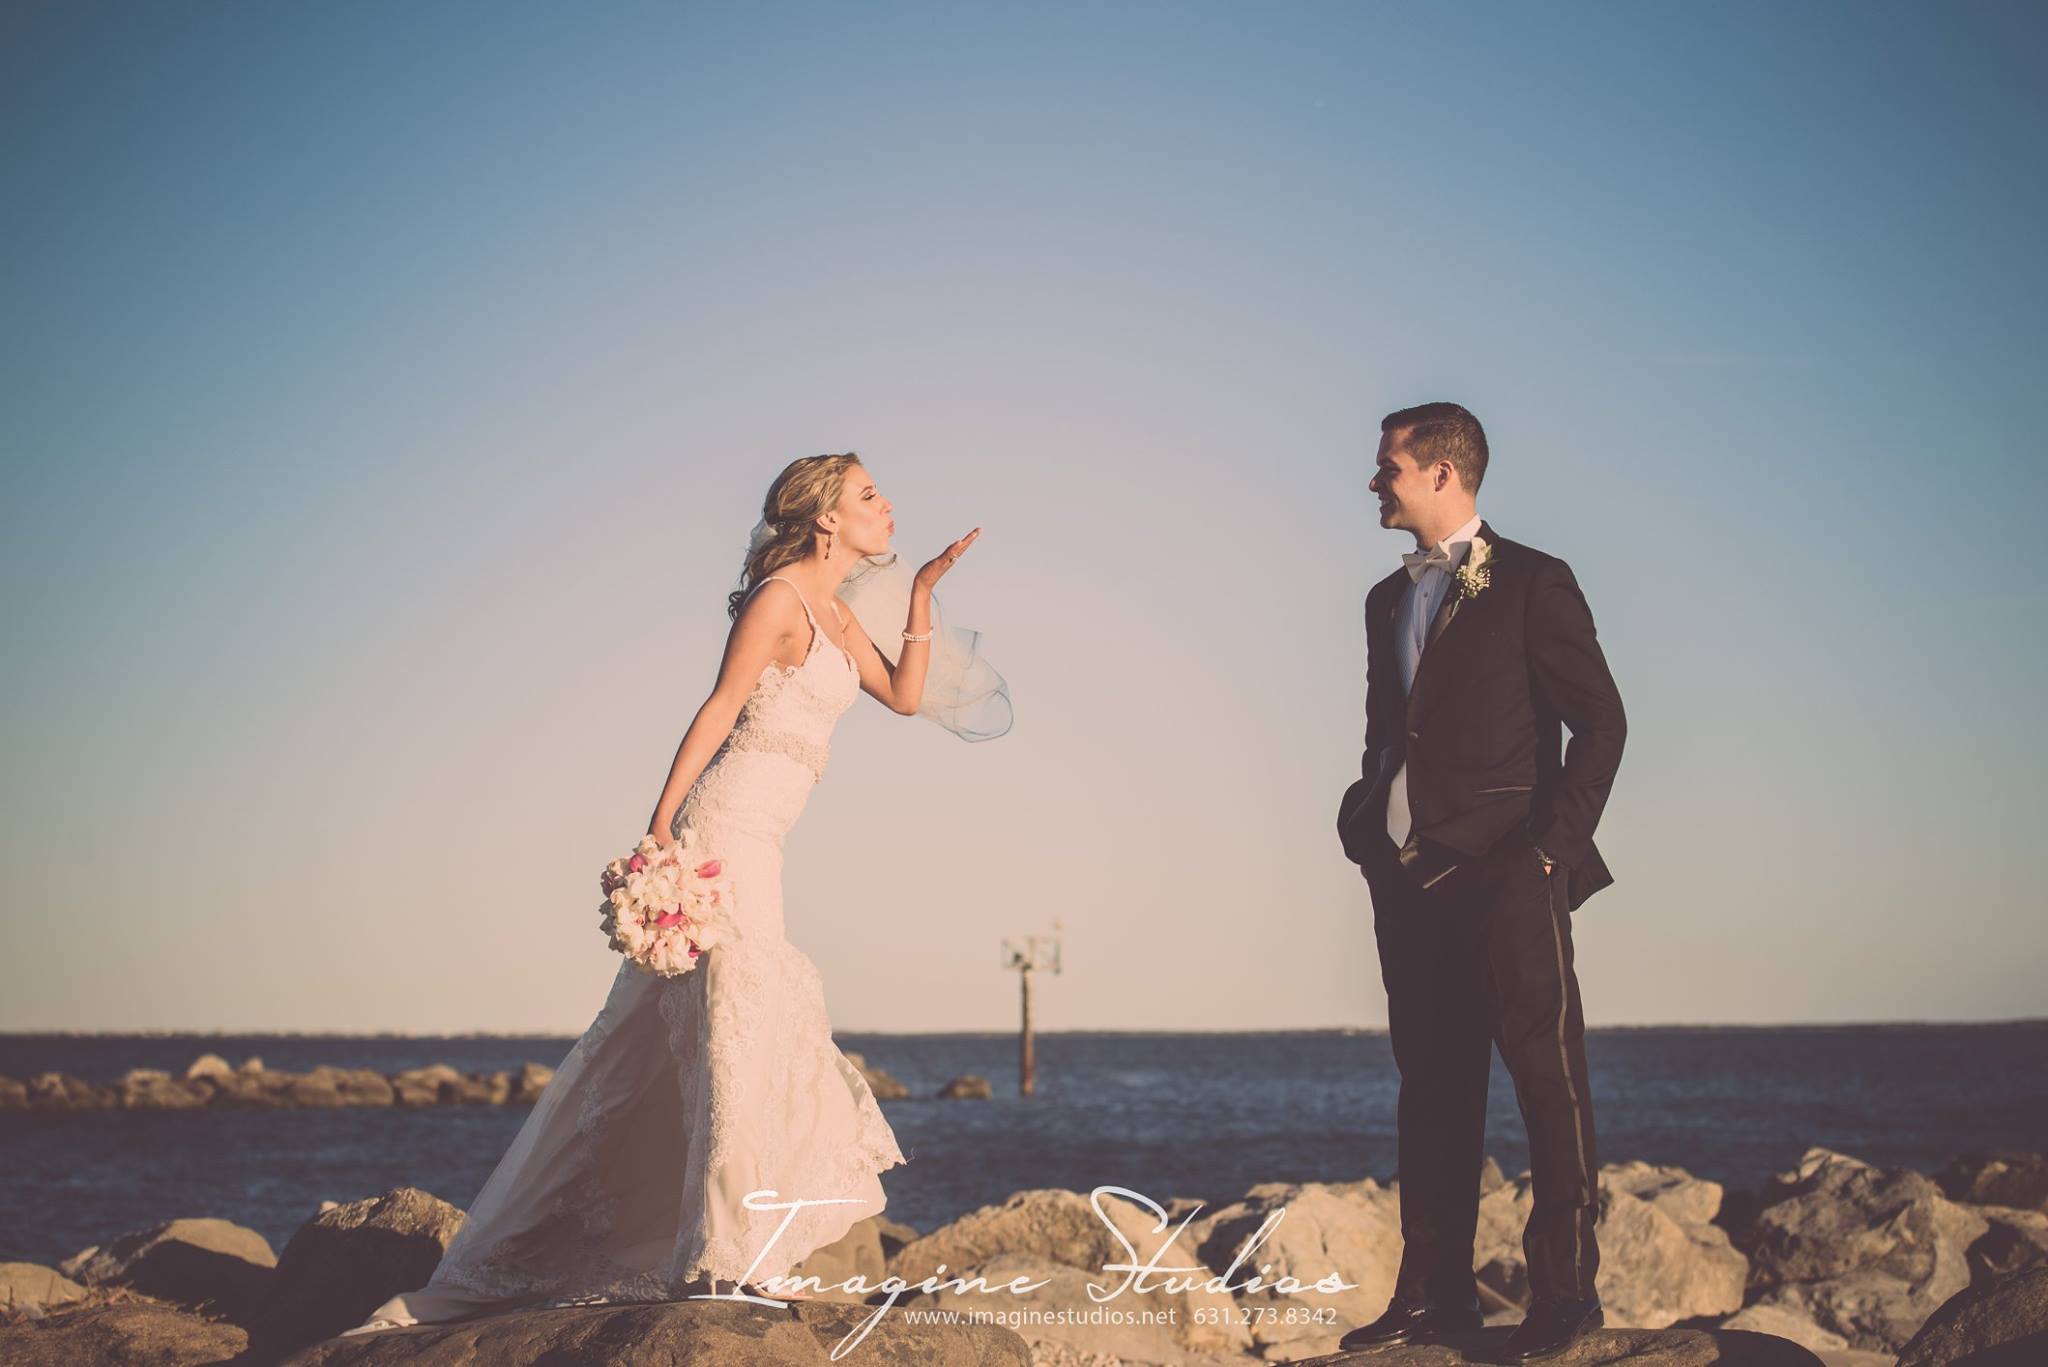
<point>1477,571</point>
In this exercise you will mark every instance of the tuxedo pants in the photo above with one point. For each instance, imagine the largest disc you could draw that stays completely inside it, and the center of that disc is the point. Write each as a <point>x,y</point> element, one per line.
<point>1478,961</point>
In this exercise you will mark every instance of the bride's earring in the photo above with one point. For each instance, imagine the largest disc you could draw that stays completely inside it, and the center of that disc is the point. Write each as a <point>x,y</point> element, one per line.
<point>831,540</point>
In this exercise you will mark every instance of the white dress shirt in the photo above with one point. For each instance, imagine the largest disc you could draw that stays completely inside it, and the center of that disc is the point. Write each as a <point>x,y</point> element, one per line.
<point>1412,616</point>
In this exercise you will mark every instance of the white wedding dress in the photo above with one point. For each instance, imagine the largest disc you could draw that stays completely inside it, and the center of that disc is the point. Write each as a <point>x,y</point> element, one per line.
<point>687,1093</point>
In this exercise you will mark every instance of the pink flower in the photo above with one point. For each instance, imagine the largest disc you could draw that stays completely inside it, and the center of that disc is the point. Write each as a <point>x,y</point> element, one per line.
<point>636,863</point>
<point>694,951</point>
<point>709,868</point>
<point>673,918</point>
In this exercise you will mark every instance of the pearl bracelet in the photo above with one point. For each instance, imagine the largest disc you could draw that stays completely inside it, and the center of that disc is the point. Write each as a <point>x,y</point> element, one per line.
<point>908,637</point>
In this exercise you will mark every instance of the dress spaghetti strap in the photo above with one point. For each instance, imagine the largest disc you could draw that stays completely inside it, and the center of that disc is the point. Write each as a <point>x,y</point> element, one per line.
<point>817,632</point>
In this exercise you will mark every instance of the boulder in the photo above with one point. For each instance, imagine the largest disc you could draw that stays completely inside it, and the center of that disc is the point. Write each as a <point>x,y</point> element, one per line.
<point>1998,1179</point>
<point>1314,1229</point>
<point>530,1082</point>
<point>677,1334</point>
<point>154,1089</point>
<point>2004,1324</point>
<point>259,1090</point>
<point>251,1064</point>
<point>1063,1227</point>
<point>208,1066</point>
<point>349,1259</point>
<point>62,1092</point>
<point>330,1086</point>
<point>1865,1253</point>
<point>2017,1239</point>
<point>894,1235</point>
<point>969,1088</point>
<point>201,1264</point>
<point>438,1084</point>
<point>25,1284</point>
<point>1786,1324</point>
<point>1662,1257</point>
<point>1064,1322</point>
<point>885,1087</point>
<point>857,1253</point>
<point>1601,1348</point>
<point>13,1094</point>
<point>133,1331</point>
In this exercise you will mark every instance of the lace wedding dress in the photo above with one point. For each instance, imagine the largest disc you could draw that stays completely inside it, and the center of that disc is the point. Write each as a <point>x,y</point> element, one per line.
<point>685,1094</point>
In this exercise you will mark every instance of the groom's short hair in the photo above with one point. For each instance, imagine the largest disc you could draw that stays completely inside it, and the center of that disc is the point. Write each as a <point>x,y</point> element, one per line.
<point>1443,431</point>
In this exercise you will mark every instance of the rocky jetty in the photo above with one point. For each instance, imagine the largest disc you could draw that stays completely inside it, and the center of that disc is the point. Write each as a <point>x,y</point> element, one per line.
<point>211,1081</point>
<point>1836,1262</point>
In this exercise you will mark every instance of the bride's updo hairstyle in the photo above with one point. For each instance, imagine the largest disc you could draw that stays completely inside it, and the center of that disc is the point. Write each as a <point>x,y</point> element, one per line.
<point>807,489</point>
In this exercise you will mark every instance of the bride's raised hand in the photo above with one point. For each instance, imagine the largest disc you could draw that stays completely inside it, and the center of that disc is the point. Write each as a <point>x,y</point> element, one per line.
<point>935,567</point>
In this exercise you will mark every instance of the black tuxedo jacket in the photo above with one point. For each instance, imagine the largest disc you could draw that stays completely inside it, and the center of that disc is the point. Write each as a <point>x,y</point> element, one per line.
<point>1480,728</point>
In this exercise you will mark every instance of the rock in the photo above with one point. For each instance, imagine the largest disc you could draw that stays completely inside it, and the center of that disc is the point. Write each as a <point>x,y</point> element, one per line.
<point>1067,1330</point>
<point>1998,1179</point>
<point>13,1094</point>
<point>1063,1227</point>
<point>2004,1324</point>
<point>330,1086</point>
<point>1662,1259</point>
<point>134,1332</point>
<point>1351,1229</point>
<point>1490,1176</point>
<point>155,1089</point>
<point>26,1284</point>
<point>200,1264</point>
<point>856,1254</point>
<point>885,1087</point>
<point>677,1334</point>
<point>532,1080</point>
<point>1786,1324</point>
<point>2017,1239</point>
<point>1675,1192</point>
<point>208,1066</point>
<point>61,1092</point>
<point>894,1235</point>
<point>351,1258</point>
<point>434,1085</point>
<point>251,1064</point>
<point>969,1088</point>
<point>1601,1348</point>
<point>1865,1253</point>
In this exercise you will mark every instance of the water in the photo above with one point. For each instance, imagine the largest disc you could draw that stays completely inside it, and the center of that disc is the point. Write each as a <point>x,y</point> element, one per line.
<point>1205,1115</point>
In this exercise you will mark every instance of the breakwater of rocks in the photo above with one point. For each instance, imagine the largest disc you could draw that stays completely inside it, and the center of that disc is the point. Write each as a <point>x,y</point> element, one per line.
<point>212,1081</point>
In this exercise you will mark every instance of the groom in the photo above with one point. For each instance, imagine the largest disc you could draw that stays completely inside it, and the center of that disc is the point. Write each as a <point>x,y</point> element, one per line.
<point>1477,844</point>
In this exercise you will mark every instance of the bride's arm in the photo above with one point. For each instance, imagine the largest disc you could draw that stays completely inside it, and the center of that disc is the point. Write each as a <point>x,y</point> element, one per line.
<point>900,687</point>
<point>767,624</point>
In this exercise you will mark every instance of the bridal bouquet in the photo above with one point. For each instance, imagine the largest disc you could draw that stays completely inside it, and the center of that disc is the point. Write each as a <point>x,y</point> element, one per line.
<point>666,904</point>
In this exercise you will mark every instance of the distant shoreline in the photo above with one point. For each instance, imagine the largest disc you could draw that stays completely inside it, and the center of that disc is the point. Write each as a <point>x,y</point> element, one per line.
<point>2021,1022</point>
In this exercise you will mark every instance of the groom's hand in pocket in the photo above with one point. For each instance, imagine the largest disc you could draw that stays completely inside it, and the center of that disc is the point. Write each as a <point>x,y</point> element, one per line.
<point>1347,809</point>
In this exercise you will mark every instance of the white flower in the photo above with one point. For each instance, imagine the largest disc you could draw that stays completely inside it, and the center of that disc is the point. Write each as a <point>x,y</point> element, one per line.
<point>1476,573</point>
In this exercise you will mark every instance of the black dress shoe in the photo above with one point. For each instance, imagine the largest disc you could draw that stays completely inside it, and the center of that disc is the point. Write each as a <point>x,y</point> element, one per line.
<point>1406,1321</point>
<point>1552,1327</point>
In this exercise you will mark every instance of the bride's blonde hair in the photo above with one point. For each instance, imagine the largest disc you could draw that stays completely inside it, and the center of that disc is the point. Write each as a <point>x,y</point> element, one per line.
<point>807,489</point>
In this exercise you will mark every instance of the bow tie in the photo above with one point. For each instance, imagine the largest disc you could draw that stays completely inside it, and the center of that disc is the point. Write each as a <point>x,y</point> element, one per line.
<point>1418,561</point>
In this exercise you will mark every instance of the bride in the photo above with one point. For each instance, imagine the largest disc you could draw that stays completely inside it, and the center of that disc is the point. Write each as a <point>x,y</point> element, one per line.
<point>628,1182</point>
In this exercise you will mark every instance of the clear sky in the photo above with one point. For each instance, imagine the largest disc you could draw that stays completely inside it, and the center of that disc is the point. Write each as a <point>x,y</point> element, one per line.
<point>388,390</point>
